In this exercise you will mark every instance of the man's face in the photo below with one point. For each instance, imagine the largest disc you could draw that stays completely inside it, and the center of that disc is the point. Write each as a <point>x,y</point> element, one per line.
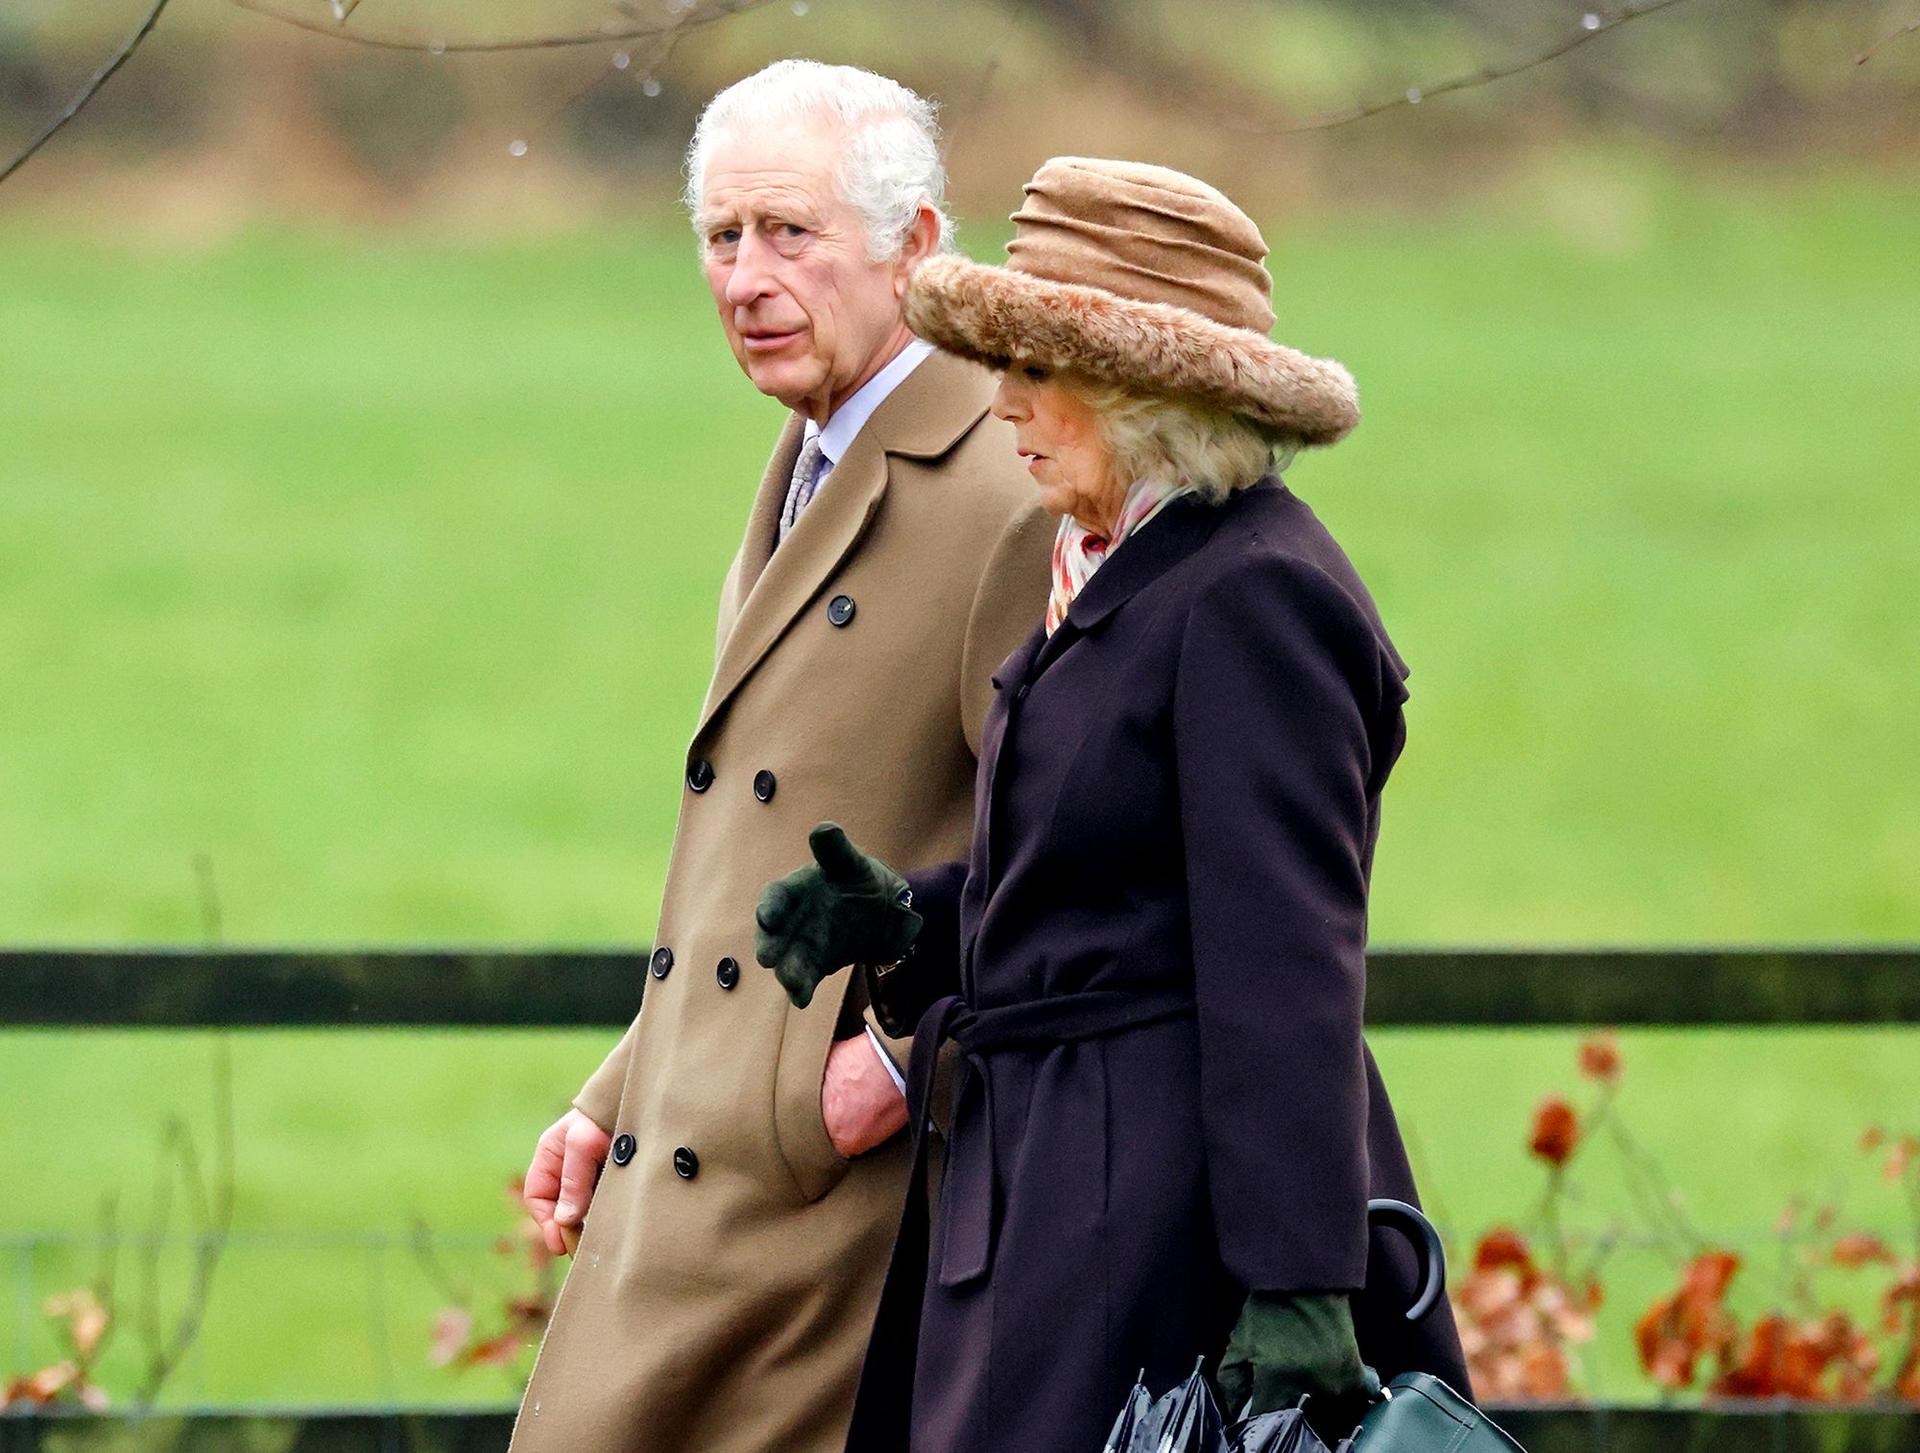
<point>809,317</point>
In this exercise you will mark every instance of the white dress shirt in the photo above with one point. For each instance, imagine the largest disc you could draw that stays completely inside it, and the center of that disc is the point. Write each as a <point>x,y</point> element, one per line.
<point>841,428</point>
<point>851,417</point>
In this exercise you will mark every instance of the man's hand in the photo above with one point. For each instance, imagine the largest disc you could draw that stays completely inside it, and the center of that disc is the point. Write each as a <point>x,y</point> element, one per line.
<point>858,1098</point>
<point>846,907</point>
<point>559,1185</point>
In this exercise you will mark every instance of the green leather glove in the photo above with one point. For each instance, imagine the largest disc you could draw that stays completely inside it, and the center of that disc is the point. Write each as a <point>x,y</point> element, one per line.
<point>1289,1344</point>
<point>844,908</point>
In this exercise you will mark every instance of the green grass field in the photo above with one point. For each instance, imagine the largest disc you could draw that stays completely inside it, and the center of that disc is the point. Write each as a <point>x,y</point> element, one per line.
<point>342,1136</point>
<point>382,571</point>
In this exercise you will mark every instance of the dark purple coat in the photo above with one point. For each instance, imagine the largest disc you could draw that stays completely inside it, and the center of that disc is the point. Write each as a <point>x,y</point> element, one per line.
<point>1178,799</point>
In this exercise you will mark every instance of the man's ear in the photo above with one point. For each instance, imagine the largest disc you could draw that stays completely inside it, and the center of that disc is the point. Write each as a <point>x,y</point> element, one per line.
<point>923,241</point>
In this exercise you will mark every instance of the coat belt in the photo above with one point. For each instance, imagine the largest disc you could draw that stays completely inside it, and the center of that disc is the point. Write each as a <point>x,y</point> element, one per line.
<point>971,1207</point>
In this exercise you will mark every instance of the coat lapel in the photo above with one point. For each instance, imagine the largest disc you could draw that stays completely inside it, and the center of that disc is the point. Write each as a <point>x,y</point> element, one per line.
<point>1014,672</point>
<point>750,563</point>
<point>1180,529</point>
<point>933,407</point>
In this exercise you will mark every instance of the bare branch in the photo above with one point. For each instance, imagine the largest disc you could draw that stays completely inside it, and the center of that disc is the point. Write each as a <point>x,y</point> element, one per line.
<point>213,1217</point>
<point>210,918</point>
<point>422,1245</point>
<point>105,1281</point>
<point>966,110</point>
<point>88,91</point>
<point>703,12</point>
<point>1594,24</point>
<point>1868,54</point>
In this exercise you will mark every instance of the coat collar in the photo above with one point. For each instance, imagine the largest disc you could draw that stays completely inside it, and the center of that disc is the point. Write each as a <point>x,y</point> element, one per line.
<point>1162,543</point>
<point>923,418</point>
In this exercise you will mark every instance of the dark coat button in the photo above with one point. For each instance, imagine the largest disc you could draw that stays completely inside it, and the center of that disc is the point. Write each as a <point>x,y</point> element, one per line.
<point>686,1164</point>
<point>622,1149</point>
<point>840,609</point>
<point>700,774</point>
<point>662,962</point>
<point>764,783</point>
<point>728,973</point>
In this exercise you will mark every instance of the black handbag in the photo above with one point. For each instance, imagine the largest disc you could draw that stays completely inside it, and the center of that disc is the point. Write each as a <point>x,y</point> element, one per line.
<point>1418,1413</point>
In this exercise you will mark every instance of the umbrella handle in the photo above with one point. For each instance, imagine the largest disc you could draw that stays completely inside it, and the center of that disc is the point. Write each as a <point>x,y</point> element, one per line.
<point>1412,1224</point>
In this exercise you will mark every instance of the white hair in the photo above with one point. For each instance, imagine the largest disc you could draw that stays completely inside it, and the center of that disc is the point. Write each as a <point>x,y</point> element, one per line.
<point>1209,451</point>
<point>889,166</point>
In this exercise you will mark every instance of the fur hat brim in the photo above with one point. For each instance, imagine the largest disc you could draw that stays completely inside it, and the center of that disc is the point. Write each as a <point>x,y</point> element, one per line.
<point>992,314</point>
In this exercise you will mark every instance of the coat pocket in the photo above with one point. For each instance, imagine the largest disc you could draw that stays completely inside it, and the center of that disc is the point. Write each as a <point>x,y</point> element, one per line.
<point>799,1125</point>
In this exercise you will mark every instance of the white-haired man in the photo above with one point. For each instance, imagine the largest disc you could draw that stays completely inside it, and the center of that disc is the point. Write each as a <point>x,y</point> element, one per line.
<point>742,1158</point>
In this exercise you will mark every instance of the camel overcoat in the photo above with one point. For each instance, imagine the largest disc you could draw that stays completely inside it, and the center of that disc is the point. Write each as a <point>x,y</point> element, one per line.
<point>726,1279</point>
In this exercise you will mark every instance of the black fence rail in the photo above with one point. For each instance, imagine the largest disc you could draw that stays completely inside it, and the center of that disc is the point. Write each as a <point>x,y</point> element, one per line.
<point>505,988</point>
<point>1724,1428</point>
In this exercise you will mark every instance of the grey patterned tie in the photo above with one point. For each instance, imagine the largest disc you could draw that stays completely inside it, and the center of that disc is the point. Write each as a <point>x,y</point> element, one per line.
<point>806,479</point>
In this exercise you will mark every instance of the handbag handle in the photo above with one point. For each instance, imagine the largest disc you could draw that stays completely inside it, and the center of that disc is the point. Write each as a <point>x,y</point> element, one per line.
<point>1412,1224</point>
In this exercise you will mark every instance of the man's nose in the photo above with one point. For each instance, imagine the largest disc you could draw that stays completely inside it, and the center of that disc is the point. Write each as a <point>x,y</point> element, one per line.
<point>749,277</point>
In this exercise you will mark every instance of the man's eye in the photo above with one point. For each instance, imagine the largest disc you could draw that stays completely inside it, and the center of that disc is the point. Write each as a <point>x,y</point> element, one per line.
<point>791,229</point>
<point>724,236</point>
<point>1035,372</point>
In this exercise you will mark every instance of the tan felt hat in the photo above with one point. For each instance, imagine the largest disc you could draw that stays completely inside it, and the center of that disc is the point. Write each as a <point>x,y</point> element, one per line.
<point>1144,277</point>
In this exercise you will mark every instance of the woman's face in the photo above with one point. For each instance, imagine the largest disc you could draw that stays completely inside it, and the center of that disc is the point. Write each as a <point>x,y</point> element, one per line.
<point>1058,435</point>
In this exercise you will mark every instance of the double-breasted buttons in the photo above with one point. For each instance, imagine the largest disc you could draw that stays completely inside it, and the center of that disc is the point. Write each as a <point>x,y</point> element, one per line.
<point>728,973</point>
<point>765,784</point>
<point>700,774</point>
<point>686,1164</point>
<point>840,610</point>
<point>662,963</point>
<point>622,1149</point>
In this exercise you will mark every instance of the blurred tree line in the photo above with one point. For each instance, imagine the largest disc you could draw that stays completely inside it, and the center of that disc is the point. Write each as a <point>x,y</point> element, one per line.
<point>230,111</point>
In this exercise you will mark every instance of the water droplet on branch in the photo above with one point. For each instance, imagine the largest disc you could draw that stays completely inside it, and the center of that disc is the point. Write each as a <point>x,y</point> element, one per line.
<point>437,47</point>
<point>799,7</point>
<point>516,147</point>
<point>651,85</point>
<point>621,60</point>
<point>1590,21</point>
<point>1414,97</point>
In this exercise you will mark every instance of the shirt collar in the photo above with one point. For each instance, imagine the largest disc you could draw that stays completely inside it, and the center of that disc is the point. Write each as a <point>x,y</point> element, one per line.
<point>851,417</point>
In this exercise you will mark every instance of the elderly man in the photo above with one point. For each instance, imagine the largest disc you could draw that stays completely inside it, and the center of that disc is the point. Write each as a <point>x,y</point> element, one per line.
<point>741,1156</point>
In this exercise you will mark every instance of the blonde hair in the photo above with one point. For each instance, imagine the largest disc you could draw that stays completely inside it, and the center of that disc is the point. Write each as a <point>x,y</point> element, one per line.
<point>1210,451</point>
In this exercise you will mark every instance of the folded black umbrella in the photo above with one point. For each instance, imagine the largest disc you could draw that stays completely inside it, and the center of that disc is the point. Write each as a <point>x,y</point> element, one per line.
<point>1193,1424</point>
<point>1184,1419</point>
<point>1132,1417</point>
<point>1286,1431</point>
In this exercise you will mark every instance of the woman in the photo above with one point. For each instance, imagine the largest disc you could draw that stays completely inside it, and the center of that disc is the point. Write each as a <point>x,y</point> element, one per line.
<point>1164,1125</point>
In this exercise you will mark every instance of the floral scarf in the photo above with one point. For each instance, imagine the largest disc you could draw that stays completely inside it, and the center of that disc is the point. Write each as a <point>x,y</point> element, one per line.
<point>1078,552</point>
